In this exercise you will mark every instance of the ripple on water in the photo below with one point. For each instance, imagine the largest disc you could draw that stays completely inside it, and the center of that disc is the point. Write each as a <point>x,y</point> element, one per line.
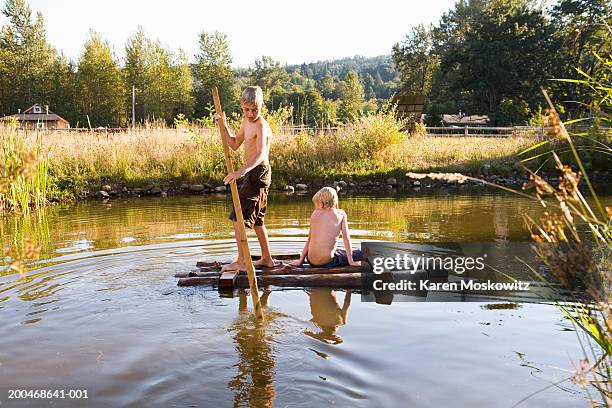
<point>102,311</point>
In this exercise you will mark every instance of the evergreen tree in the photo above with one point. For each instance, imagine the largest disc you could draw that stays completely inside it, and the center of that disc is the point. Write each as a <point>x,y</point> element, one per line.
<point>327,86</point>
<point>268,74</point>
<point>583,28</point>
<point>368,86</point>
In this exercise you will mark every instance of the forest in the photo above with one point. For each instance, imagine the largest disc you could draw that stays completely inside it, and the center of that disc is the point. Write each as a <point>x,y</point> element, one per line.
<point>482,57</point>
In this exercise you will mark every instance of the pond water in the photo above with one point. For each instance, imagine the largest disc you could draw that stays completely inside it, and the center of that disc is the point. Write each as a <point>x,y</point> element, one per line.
<point>101,312</point>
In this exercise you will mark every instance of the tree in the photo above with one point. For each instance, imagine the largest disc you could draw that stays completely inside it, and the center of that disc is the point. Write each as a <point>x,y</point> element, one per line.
<point>185,100</point>
<point>268,74</point>
<point>100,85</point>
<point>296,99</point>
<point>415,60</point>
<point>63,88</point>
<point>327,86</point>
<point>486,52</point>
<point>135,72</point>
<point>25,58</point>
<point>581,24</point>
<point>329,113</point>
<point>163,83</point>
<point>159,96</point>
<point>583,27</point>
<point>313,106</point>
<point>368,86</point>
<point>351,101</point>
<point>213,69</point>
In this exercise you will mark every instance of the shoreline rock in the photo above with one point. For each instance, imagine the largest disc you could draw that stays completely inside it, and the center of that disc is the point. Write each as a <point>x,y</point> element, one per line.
<point>388,185</point>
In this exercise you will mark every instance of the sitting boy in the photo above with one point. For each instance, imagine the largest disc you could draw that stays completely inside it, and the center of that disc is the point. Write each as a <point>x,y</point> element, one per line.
<point>326,223</point>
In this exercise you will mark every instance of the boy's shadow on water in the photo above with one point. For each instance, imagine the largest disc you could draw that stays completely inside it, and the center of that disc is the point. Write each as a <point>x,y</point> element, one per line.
<point>253,384</point>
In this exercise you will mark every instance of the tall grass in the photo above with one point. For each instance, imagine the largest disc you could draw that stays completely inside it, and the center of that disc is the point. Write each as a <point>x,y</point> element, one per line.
<point>574,258</point>
<point>374,145</point>
<point>24,181</point>
<point>24,177</point>
<point>573,262</point>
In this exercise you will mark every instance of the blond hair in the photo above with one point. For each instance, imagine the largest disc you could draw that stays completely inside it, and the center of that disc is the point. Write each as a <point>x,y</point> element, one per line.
<point>252,94</point>
<point>327,196</point>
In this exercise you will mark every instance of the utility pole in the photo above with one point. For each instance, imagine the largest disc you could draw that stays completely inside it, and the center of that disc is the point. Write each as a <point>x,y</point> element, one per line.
<point>133,106</point>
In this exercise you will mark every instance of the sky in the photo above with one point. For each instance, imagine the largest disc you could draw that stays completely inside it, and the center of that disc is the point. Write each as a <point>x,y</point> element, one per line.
<point>289,31</point>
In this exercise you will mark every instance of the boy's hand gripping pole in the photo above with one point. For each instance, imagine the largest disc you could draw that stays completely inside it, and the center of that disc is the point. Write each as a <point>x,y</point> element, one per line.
<point>243,244</point>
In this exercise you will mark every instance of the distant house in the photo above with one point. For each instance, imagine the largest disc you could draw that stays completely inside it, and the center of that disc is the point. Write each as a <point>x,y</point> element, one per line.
<point>37,117</point>
<point>465,120</point>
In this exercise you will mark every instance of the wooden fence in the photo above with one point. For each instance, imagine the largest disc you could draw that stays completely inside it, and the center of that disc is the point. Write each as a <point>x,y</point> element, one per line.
<point>466,131</point>
<point>523,131</point>
<point>476,131</point>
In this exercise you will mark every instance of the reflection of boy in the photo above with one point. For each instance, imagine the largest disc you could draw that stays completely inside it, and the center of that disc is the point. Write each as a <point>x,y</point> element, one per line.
<point>256,134</point>
<point>326,223</point>
<point>327,314</point>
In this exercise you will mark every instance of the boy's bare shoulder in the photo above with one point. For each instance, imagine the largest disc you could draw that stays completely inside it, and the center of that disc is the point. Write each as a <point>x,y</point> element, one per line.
<point>265,126</point>
<point>315,214</point>
<point>340,212</point>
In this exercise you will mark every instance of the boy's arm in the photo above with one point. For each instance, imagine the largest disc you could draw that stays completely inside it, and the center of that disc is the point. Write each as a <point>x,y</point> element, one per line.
<point>346,238</point>
<point>345,305</point>
<point>233,142</point>
<point>300,261</point>
<point>304,253</point>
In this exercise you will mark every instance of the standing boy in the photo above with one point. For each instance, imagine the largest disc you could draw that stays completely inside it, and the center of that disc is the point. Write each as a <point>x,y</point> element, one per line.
<point>256,134</point>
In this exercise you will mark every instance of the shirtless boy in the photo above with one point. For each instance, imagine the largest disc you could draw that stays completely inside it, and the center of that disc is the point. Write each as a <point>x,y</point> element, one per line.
<point>255,133</point>
<point>326,223</point>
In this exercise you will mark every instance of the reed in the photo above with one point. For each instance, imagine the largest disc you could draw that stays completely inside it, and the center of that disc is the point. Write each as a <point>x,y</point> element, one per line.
<point>24,181</point>
<point>574,258</point>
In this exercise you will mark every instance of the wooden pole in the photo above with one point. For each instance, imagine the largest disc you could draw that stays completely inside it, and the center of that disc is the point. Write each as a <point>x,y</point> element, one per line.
<point>133,106</point>
<point>243,244</point>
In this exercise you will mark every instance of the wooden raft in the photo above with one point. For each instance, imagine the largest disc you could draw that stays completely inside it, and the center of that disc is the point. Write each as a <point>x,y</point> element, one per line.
<point>282,275</point>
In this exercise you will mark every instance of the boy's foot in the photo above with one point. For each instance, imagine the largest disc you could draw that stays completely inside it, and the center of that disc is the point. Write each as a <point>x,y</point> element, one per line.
<point>234,266</point>
<point>265,263</point>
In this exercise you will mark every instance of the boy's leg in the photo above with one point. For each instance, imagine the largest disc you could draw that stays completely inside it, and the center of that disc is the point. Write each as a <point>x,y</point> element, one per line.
<point>262,237</point>
<point>237,265</point>
<point>341,259</point>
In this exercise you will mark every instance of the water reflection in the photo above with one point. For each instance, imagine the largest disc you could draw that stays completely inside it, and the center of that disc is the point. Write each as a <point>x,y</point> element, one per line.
<point>92,226</point>
<point>253,384</point>
<point>105,285</point>
<point>327,314</point>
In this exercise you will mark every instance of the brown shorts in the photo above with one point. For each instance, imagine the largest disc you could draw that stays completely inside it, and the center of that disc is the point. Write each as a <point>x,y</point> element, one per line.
<point>253,194</point>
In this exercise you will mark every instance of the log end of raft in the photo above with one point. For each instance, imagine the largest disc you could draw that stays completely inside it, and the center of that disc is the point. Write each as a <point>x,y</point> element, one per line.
<point>197,281</point>
<point>227,280</point>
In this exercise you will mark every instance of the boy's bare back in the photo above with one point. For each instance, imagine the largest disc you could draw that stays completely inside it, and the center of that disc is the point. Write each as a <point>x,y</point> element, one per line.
<point>326,225</point>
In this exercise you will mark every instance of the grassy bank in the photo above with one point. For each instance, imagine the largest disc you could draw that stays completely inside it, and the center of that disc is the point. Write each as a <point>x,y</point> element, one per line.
<point>374,147</point>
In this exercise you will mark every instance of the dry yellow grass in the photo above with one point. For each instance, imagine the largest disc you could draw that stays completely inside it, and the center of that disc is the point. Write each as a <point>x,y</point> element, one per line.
<point>429,153</point>
<point>373,146</point>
